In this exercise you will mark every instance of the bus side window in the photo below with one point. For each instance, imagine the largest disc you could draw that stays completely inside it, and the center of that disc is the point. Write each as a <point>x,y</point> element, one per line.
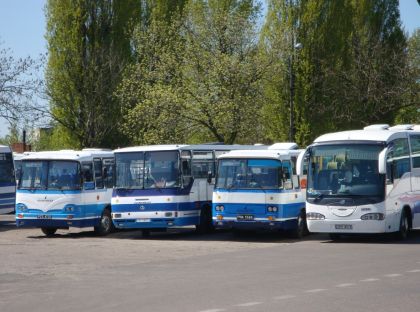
<point>287,180</point>
<point>108,172</point>
<point>97,162</point>
<point>202,164</point>
<point>401,158</point>
<point>296,179</point>
<point>87,174</point>
<point>186,168</point>
<point>415,150</point>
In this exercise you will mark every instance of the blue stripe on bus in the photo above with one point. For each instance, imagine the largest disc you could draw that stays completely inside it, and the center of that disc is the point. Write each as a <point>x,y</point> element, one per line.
<point>7,195</point>
<point>158,206</point>
<point>92,211</point>
<point>6,184</point>
<point>56,223</point>
<point>156,224</point>
<point>259,210</point>
<point>223,190</point>
<point>256,225</point>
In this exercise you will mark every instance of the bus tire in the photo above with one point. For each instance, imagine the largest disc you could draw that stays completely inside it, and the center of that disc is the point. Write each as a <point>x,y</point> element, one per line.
<point>105,224</point>
<point>301,228</point>
<point>403,230</point>
<point>206,221</point>
<point>48,231</point>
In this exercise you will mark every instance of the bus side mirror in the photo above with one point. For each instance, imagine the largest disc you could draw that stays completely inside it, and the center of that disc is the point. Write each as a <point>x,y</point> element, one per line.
<point>299,163</point>
<point>209,177</point>
<point>382,161</point>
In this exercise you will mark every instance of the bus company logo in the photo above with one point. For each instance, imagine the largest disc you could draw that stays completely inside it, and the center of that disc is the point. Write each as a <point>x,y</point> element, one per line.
<point>45,200</point>
<point>142,207</point>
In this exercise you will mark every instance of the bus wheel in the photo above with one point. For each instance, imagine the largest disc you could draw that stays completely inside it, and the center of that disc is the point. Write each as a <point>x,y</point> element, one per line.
<point>48,231</point>
<point>105,224</point>
<point>402,233</point>
<point>301,229</point>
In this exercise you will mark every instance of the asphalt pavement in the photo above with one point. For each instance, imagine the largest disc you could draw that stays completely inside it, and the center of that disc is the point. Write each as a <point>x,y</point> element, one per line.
<point>183,271</point>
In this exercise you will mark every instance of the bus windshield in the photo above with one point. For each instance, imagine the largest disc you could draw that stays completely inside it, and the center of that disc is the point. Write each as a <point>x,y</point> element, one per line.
<point>345,170</point>
<point>50,174</point>
<point>6,168</point>
<point>249,174</point>
<point>147,170</point>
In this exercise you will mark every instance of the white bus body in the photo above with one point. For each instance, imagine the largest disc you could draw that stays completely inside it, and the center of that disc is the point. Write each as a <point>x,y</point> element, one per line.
<point>163,186</point>
<point>364,181</point>
<point>62,189</point>
<point>7,181</point>
<point>259,190</point>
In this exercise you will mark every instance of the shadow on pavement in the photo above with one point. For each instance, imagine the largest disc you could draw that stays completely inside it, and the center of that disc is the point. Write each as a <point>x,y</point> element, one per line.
<point>388,238</point>
<point>184,234</point>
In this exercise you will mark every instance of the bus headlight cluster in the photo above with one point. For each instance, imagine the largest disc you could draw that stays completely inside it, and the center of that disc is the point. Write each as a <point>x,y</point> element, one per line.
<point>21,208</point>
<point>373,216</point>
<point>314,216</point>
<point>220,208</point>
<point>69,208</point>
<point>272,209</point>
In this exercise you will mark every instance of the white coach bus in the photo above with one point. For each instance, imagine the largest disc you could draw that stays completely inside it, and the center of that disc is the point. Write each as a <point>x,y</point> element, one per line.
<point>7,180</point>
<point>62,189</point>
<point>364,181</point>
<point>163,186</point>
<point>259,190</point>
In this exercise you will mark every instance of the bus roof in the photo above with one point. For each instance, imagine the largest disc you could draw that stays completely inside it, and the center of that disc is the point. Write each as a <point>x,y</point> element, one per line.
<point>368,135</point>
<point>5,149</point>
<point>68,155</point>
<point>272,154</point>
<point>175,147</point>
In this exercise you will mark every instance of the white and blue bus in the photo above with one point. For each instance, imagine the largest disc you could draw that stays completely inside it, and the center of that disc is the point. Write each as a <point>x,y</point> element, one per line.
<point>62,189</point>
<point>364,181</point>
<point>7,180</point>
<point>260,190</point>
<point>163,186</point>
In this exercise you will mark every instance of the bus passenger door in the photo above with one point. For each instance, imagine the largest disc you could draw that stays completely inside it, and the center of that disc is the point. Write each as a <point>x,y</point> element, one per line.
<point>99,195</point>
<point>415,178</point>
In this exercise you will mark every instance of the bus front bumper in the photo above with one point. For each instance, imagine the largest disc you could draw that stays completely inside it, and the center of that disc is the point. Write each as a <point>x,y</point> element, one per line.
<point>270,225</point>
<point>347,226</point>
<point>56,221</point>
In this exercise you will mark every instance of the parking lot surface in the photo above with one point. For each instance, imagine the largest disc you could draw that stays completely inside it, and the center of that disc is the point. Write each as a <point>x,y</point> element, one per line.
<point>183,271</point>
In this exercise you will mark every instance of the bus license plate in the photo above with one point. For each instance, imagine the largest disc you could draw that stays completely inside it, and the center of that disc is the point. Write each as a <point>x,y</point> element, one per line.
<point>44,217</point>
<point>245,217</point>
<point>143,220</point>
<point>344,227</point>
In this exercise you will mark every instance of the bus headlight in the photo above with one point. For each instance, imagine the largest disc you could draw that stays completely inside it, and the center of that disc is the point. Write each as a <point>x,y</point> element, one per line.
<point>272,209</point>
<point>373,216</point>
<point>21,208</point>
<point>220,208</point>
<point>314,216</point>
<point>69,208</point>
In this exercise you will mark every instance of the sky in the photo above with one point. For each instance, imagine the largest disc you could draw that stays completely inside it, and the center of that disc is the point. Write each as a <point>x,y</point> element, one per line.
<point>22,28</point>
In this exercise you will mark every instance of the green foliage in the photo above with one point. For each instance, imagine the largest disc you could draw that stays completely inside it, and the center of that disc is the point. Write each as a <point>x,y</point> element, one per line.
<point>197,78</point>
<point>89,46</point>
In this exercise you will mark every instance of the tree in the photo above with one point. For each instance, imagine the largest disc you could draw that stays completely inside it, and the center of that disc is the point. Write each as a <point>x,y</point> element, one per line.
<point>19,86</point>
<point>350,72</point>
<point>202,81</point>
<point>89,45</point>
<point>411,113</point>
